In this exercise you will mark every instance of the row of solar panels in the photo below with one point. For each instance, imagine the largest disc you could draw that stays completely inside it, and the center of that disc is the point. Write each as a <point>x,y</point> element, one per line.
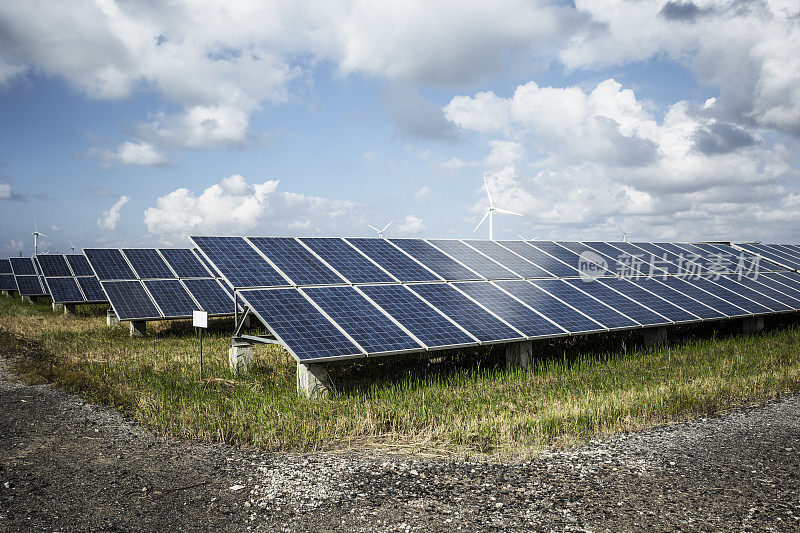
<point>787,255</point>
<point>262,262</point>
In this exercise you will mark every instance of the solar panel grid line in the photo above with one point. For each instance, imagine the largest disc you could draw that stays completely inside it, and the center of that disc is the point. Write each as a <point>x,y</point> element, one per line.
<point>601,302</point>
<point>763,262</point>
<point>392,318</point>
<point>667,320</point>
<point>681,305</point>
<point>789,278</point>
<point>53,265</point>
<point>543,315</point>
<point>291,283</point>
<point>406,257</point>
<point>500,271</point>
<point>574,308</point>
<point>159,292</point>
<point>771,292</point>
<point>522,334</point>
<point>30,285</point>
<point>613,264</point>
<point>238,248</point>
<point>510,260</point>
<point>479,277</point>
<point>770,280</point>
<point>511,268</point>
<point>521,252</point>
<point>751,293</point>
<point>722,304</point>
<point>65,290</point>
<point>655,258</point>
<point>676,254</point>
<point>101,259</point>
<point>793,248</point>
<point>788,259</point>
<point>561,253</point>
<point>787,251</point>
<point>184,263</point>
<point>5,266</point>
<point>545,251</point>
<point>8,282</point>
<point>147,263</point>
<point>666,307</point>
<point>323,261</point>
<point>698,255</point>
<point>292,259</point>
<point>79,265</point>
<point>429,252</point>
<point>91,289</point>
<point>22,266</point>
<point>332,321</point>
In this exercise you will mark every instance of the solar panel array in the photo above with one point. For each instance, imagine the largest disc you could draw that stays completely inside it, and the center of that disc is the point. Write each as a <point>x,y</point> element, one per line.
<point>7,281</point>
<point>786,255</point>
<point>155,284</point>
<point>27,276</point>
<point>70,279</point>
<point>334,298</point>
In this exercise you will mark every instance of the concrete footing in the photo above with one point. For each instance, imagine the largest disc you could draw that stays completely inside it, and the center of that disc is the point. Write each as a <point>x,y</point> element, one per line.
<point>111,319</point>
<point>753,324</point>
<point>5,293</point>
<point>655,336</point>
<point>313,380</point>
<point>519,355</point>
<point>27,299</point>
<point>69,309</point>
<point>240,358</point>
<point>58,307</point>
<point>138,328</point>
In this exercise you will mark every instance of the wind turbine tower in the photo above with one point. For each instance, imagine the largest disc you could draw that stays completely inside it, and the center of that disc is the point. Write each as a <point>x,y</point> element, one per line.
<point>380,231</point>
<point>490,212</point>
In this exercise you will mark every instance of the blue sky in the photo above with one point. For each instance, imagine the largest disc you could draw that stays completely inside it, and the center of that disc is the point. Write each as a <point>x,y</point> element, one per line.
<point>139,124</point>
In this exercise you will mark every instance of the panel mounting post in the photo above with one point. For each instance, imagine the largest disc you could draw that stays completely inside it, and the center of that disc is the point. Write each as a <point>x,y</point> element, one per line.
<point>313,380</point>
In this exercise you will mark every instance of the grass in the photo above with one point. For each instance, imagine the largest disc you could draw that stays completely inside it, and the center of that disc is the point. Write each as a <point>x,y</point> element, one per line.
<point>579,388</point>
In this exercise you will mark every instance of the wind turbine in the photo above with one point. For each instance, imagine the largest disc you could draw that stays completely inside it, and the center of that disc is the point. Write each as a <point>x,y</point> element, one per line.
<point>72,246</point>
<point>490,212</point>
<point>624,233</point>
<point>380,231</point>
<point>36,235</point>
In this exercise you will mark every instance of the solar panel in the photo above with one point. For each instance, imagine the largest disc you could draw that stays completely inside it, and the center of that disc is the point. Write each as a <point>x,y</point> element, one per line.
<point>130,301</point>
<point>347,260</point>
<point>53,265</point>
<point>479,322</point>
<point>307,334</point>
<point>721,252</point>
<point>473,259</point>
<point>364,322</point>
<point>392,260</point>
<point>238,262</point>
<point>600,312</point>
<point>767,290</point>
<point>510,309</point>
<point>65,290</point>
<point>775,281</point>
<point>295,261</point>
<point>171,297</point>
<point>30,286</point>
<point>211,296</point>
<point>612,265</point>
<point>424,322</point>
<point>559,312</point>
<point>91,289</point>
<point>788,251</point>
<point>750,293</point>
<point>23,266</point>
<point>7,282</point>
<point>563,254</point>
<point>434,259</point>
<point>147,263</point>
<point>620,302</point>
<point>184,263</point>
<point>703,291</point>
<point>548,263</point>
<point>109,264</point>
<point>683,301</point>
<point>79,265</point>
<point>5,267</point>
<point>509,259</point>
<point>206,263</point>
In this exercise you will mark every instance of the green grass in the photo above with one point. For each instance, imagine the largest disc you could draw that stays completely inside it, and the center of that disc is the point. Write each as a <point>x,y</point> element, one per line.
<point>578,389</point>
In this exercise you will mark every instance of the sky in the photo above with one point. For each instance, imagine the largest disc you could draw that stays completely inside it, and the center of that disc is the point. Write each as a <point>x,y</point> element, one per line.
<point>140,123</point>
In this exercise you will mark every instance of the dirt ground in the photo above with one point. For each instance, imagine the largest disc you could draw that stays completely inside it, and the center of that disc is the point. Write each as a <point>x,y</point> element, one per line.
<point>68,466</point>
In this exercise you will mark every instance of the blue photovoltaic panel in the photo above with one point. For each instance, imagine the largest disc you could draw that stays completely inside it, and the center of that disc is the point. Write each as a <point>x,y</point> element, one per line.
<point>53,265</point>
<point>512,261</point>
<point>109,264</point>
<point>465,312</point>
<point>434,259</point>
<point>30,286</point>
<point>626,265</point>
<point>733,297</point>
<point>147,263</point>
<point>91,289</point>
<point>776,282</point>
<point>295,261</point>
<point>5,267</point>
<point>661,260</point>
<point>79,265</point>
<point>417,316</point>
<point>306,331</point>
<point>22,266</point>
<point>394,261</point>
<point>7,282</point>
<point>681,300</point>
<point>612,266</point>
<point>541,259</point>
<point>620,302</point>
<point>211,296</point>
<point>205,262</point>
<point>787,250</point>
<point>768,290</point>
<point>185,263</point>
<point>509,309</point>
<point>64,290</point>
<point>595,309</point>
<point>552,308</point>
<point>129,300</point>
<point>565,255</point>
<point>715,252</point>
<point>239,262</point>
<point>347,260</point>
<point>770,253</point>
<point>365,323</point>
<point>171,297</point>
<point>740,287</point>
<point>657,303</point>
<point>701,291</point>
<point>473,259</point>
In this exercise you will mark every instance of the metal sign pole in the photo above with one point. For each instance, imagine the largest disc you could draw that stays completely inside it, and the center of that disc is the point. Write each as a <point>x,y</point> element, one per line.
<point>200,321</point>
<point>201,352</point>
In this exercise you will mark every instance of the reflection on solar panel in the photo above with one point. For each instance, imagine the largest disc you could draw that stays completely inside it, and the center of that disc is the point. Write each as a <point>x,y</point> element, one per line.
<point>559,312</point>
<point>741,288</point>
<point>308,335</point>
<point>552,265</point>
<point>473,259</point>
<point>354,266</point>
<point>393,261</point>
<point>512,261</point>
<point>238,262</point>
<point>109,264</point>
<point>435,260</point>
<point>184,263</point>
<point>64,290</point>
<point>364,322</point>
<point>702,290</point>
<point>130,300</point>
<point>563,254</point>
<point>211,296</point>
<point>686,303</point>
<point>295,261</point>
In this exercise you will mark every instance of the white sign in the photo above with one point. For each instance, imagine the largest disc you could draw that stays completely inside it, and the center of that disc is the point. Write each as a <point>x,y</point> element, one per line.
<point>200,319</point>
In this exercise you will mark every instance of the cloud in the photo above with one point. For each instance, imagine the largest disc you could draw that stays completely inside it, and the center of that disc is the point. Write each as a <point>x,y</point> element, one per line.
<point>410,225</point>
<point>234,206</point>
<point>130,153</point>
<point>6,193</point>
<point>416,116</point>
<point>109,219</point>
<point>682,11</point>
<point>100,191</point>
<point>13,247</point>
<point>423,193</point>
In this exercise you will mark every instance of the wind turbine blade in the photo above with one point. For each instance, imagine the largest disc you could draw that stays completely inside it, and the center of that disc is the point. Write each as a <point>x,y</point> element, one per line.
<point>373,227</point>
<point>620,227</point>
<point>486,184</point>
<point>387,225</point>
<point>42,235</point>
<point>35,226</point>
<point>507,212</point>
<point>481,222</point>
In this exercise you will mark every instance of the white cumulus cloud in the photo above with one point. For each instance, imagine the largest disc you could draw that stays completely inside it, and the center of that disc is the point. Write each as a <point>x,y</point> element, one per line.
<point>130,153</point>
<point>410,225</point>
<point>109,219</point>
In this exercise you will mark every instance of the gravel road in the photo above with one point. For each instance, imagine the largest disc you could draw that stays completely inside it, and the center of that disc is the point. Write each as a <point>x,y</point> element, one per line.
<point>68,466</point>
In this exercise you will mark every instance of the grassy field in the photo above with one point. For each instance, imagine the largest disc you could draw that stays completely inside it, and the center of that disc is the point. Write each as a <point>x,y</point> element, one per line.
<point>578,389</point>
